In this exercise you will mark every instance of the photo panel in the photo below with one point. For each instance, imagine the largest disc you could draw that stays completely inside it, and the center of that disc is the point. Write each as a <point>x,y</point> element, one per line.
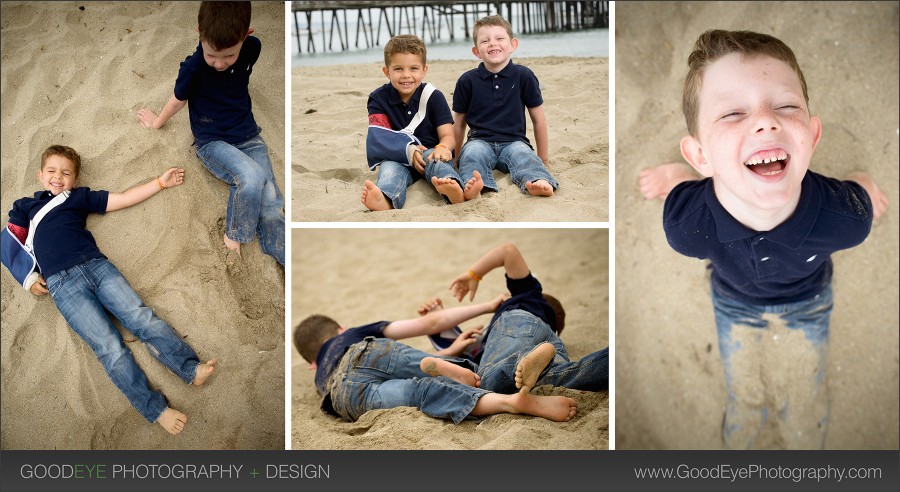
<point>362,276</point>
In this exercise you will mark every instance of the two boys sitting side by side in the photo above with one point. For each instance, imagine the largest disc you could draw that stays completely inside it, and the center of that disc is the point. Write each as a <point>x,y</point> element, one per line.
<point>412,133</point>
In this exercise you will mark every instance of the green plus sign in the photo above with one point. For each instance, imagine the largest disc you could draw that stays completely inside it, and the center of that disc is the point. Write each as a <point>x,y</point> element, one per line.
<point>254,473</point>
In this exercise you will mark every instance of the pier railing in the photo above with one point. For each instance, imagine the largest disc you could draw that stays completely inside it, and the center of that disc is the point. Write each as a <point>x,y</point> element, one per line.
<point>377,21</point>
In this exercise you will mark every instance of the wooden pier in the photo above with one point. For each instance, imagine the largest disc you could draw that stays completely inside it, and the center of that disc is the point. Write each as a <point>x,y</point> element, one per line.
<point>376,18</point>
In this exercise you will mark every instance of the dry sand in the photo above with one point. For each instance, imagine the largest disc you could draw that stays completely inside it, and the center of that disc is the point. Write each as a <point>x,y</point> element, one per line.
<point>77,77</point>
<point>329,136</point>
<point>670,390</point>
<point>359,276</point>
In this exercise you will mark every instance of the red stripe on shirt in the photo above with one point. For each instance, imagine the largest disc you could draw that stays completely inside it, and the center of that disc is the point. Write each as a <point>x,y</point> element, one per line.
<point>380,120</point>
<point>20,232</point>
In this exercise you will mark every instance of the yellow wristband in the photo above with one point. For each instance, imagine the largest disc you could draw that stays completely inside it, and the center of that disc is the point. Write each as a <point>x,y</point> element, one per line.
<point>476,277</point>
<point>160,183</point>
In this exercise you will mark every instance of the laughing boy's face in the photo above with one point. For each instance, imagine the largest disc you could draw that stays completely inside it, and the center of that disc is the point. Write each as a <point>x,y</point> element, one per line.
<point>494,46</point>
<point>57,174</point>
<point>755,134</point>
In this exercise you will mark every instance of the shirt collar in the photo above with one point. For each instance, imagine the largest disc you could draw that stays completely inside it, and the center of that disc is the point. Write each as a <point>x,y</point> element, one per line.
<point>790,233</point>
<point>394,96</point>
<point>484,73</point>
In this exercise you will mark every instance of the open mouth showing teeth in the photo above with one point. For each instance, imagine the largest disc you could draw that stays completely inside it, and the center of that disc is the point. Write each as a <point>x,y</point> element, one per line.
<point>768,163</point>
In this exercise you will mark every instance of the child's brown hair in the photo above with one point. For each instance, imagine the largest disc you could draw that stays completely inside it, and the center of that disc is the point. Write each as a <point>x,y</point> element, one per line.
<point>491,20</point>
<point>62,150</point>
<point>716,43</point>
<point>558,311</point>
<point>312,333</point>
<point>223,24</point>
<point>404,43</point>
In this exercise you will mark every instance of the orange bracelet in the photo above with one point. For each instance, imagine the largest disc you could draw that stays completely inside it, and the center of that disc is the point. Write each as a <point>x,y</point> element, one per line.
<point>161,187</point>
<point>442,145</point>
<point>476,277</point>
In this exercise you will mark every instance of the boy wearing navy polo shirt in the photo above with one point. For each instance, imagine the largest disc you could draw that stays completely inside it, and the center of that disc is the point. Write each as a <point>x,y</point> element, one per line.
<point>84,285</point>
<point>215,81</point>
<point>768,225</point>
<point>410,132</point>
<point>491,100</point>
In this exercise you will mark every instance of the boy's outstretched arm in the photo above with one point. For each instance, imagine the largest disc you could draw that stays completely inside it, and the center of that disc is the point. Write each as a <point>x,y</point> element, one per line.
<point>505,255</point>
<point>459,133</point>
<point>879,199</point>
<point>117,201</point>
<point>438,321</point>
<point>149,119</point>
<point>541,135</point>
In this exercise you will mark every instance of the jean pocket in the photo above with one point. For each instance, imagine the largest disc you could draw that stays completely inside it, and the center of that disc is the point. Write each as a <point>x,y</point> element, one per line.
<point>516,324</point>
<point>378,355</point>
<point>55,282</point>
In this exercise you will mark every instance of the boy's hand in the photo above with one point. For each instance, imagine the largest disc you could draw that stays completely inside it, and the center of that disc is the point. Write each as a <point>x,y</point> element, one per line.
<point>441,153</point>
<point>39,288</point>
<point>418,161</point>
<point>173,177</point>
<point>462,342</point>
<point>147,118</point>
<point>879,199</point>
<point>497,301</point>
<point>464,284</point>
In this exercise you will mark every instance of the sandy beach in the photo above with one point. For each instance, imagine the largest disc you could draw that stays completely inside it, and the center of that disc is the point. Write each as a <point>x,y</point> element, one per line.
<point>670,389</point>
<point>76,74</point>
<point>359,276</point>
<point>328,111</point>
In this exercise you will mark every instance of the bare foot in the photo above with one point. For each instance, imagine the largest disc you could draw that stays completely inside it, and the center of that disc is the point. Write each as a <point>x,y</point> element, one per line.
<point>657,182</point>
<point>555,408</point>
<point>428,306</point>
<point>449,188</point>
<point>172,421</point>
<point>530,367</point>
<point>539,188</point>
<point>434,366</point>
<point>373,198</point>
<point>232,245</point>
<point>473,186</point>
<point>204,371</point>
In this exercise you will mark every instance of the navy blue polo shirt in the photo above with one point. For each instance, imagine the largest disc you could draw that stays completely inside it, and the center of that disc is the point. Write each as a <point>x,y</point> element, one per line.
<point>61,240</point>
<point>494,103</point>
<point>528,295</point>
<point>219,102</point>
<point>385,100</point>
<point>333,350</point>
<point>790,263</point>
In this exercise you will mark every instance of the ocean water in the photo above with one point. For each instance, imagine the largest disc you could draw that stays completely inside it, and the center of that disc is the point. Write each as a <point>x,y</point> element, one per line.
<point>583,43</point>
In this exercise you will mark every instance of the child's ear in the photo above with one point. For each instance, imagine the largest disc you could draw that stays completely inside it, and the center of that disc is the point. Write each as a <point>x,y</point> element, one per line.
<point>249,32</point>
<point>692,152</point>
<point>475,52</point>
<point>384,70</point>
<point>312,366</point>
<point>816,125</point>
<point>514,43</point>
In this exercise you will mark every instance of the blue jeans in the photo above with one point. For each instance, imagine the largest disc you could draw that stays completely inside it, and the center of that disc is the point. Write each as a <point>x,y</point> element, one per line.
<point>774,358</point>
<point>395,177</point>
<point>255,204</point>
<point>515,158</point>
<point>382,373</point>
<point>514,335</point>
<point>81,294</point>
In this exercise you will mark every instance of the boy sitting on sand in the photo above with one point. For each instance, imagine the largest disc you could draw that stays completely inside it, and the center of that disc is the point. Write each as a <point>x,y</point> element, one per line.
<point>215,81</point>
<point>410,132</point>
<point>84,284</point>
<point>768,225</point>
<point>491,100</point>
